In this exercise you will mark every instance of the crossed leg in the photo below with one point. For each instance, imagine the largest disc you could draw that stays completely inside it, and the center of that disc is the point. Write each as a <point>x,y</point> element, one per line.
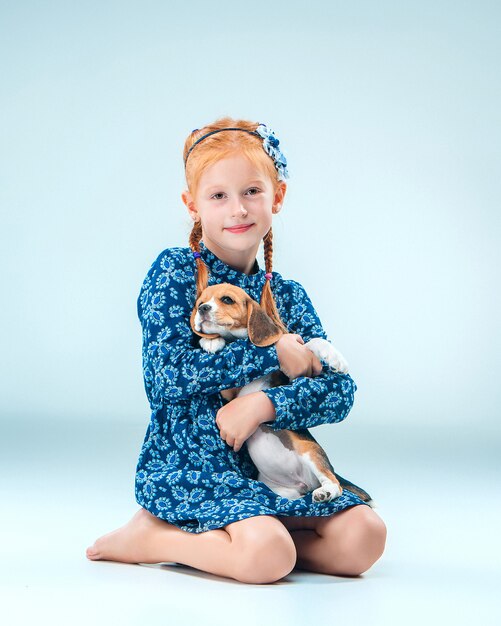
<point>346,543</point>
<point>257,549</point>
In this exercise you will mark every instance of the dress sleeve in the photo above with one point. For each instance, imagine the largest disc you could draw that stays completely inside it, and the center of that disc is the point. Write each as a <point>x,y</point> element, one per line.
<point>310,401</point>
<point>173,368</point>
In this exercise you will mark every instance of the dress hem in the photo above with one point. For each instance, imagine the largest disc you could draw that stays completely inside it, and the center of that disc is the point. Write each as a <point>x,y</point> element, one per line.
<point>241,516</point>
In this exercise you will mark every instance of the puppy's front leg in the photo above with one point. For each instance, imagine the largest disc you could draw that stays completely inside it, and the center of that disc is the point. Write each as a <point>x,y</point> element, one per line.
<point>212,345</point>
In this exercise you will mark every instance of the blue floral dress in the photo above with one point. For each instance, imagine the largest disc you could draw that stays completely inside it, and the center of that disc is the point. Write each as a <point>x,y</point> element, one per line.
<point>186,473</point>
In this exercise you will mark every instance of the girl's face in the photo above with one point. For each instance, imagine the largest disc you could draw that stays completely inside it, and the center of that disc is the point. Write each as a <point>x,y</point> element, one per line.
<point>234,192</point>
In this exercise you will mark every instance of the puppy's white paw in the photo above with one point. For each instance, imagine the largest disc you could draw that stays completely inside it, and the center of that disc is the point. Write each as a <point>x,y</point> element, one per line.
<point>327,353</point>
<point>337,362</point>
<point>212,345</point>
<point>328,491</point>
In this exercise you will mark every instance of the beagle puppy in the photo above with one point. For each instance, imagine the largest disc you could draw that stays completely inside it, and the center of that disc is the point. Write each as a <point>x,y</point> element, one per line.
<point>291,463</point>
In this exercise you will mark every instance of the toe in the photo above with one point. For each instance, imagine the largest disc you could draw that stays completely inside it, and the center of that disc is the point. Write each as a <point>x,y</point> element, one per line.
<point>92,553</point>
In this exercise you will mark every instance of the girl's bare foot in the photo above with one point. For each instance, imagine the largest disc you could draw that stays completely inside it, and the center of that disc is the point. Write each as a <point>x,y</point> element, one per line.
<point>141,540</point>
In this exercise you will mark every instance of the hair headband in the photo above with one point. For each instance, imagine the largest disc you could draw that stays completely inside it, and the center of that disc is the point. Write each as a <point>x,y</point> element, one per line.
<point>270,145</point>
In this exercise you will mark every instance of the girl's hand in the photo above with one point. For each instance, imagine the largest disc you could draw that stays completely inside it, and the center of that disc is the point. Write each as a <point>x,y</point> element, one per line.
<point>295,359</point>
<point>240,418</point>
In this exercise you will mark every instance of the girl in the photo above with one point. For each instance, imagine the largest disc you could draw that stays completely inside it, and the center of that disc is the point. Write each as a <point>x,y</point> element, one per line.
<point>201,504</point>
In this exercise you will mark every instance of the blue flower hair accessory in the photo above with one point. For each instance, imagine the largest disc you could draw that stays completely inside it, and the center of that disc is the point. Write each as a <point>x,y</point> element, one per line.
<point>270,144</point>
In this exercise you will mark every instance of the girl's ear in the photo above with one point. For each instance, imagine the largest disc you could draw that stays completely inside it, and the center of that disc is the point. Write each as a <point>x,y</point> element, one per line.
<point>197,332</point>
<point>278,199</point>
<point>188,200</point>
<point>186,197</point>
<point>261,329</point>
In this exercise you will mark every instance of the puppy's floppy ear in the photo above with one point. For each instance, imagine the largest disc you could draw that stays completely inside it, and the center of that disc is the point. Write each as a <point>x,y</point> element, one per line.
<point>197,332</point>
<point>261,329</point>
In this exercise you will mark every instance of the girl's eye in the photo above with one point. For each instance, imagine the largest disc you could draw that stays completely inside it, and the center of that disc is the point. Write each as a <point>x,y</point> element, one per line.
<point>217,196</point>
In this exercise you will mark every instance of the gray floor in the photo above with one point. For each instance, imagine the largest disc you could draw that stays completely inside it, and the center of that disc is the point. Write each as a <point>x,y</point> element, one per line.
<point>66,484</point>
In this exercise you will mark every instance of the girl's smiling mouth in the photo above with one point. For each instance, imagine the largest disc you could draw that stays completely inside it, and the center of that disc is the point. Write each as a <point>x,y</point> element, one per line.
<point>239,229</point>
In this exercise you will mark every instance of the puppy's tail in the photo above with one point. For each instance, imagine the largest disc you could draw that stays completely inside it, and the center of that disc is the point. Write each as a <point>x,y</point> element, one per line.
<point>358,491</point>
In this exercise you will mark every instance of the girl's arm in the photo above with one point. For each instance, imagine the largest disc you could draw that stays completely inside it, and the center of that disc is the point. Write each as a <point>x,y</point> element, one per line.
<point>174,369</point>
<point>308,402</point>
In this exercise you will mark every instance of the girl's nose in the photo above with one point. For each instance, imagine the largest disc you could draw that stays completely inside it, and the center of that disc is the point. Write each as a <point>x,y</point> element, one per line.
<point>239,209</point>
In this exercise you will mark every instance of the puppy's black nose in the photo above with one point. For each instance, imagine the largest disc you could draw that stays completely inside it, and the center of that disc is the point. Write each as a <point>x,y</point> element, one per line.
<point>203,308</point>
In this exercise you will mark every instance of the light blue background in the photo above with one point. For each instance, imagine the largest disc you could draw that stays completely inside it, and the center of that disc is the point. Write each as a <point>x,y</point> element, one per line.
<point>389,115</point>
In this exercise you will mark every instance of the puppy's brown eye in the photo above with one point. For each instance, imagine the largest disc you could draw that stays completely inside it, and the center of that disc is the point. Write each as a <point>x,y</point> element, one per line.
<point>227,300</point>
